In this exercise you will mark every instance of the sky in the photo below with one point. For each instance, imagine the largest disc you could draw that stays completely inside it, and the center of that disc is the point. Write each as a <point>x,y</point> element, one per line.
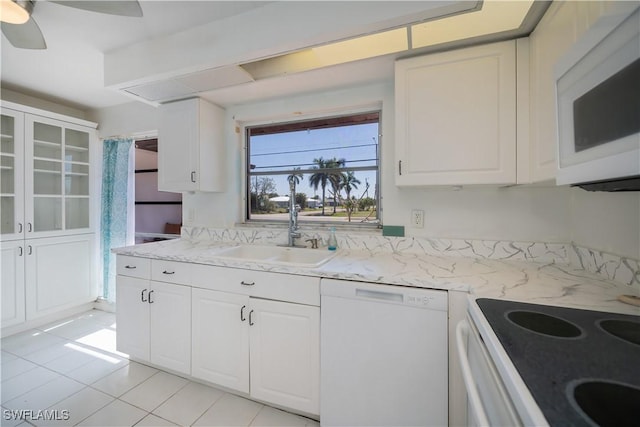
<point>358,144</point>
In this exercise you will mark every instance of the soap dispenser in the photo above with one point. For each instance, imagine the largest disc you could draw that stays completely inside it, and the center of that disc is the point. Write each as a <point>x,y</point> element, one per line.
<point>332,242</point>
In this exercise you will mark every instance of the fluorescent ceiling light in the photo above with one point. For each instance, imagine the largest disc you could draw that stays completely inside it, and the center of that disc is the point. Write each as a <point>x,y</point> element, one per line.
<point>496,16</point>
<point>14,12</point>
<point>341,52</point>
<point>363,47</point>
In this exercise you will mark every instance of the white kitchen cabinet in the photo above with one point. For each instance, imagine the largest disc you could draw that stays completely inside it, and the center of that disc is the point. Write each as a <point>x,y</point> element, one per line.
<point>153,318</point>
<point>170,326</point>
<point>12,170</point>
<point>267,349</point>
<point>220,345</point>
<point>191,151</point>
<point>561,26</point>
<point>59,274</point>
<point>47,175</point>
<point>553,36</point>
<point>44,276</point>
<point>132,316</point>
<point>13,301</point>
<point>456,117</point>
<point>258,333</point>
<point>285,354</point>
<point>47,213</point>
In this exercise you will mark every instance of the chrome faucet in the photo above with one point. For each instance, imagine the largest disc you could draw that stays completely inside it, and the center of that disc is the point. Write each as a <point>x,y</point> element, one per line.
<point>293,214</point>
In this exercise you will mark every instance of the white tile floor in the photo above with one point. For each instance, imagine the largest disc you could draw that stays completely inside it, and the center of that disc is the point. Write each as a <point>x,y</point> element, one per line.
<point>70,370</point>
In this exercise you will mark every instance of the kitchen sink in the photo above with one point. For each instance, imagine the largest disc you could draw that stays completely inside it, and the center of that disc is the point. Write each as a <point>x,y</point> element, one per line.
<point>298,257</point>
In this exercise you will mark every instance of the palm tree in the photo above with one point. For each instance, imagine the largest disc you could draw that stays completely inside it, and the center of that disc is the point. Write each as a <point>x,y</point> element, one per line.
<point>320,178</point>
<point>349,182</point>
<point>335,178</point>
<point>324,177</point>
<point>296,177</point>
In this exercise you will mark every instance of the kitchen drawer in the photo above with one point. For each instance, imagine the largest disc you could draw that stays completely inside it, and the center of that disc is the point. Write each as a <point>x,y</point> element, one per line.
<point>171,272</point>
<point>133,266</point>
<point>260,284</point>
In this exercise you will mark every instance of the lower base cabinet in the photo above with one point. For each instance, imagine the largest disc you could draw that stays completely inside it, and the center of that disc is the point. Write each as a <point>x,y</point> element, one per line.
<point>13,302</point>
<point>251,331</point>
<point>154,322</point>
<point>45,276</point>
<point>268,349</point>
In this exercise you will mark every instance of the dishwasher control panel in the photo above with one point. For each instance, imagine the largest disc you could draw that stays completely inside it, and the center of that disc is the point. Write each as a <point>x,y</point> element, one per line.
<point>431,299</point>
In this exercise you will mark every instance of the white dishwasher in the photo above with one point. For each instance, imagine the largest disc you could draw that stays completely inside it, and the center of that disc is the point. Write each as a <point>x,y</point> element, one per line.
<point>383,357</point>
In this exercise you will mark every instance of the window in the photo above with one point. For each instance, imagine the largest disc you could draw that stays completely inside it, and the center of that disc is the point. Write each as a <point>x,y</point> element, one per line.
<point>333,163</point>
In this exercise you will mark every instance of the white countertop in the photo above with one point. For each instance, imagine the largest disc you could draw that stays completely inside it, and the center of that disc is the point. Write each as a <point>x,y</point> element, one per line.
<point>543,283</point>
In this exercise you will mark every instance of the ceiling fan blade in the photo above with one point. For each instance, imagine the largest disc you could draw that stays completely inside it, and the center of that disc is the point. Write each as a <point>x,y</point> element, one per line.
<point>24,36</point>
<point>111,7</point>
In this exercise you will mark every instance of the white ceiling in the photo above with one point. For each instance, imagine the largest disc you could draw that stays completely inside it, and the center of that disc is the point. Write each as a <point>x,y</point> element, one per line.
<point>71,70</point>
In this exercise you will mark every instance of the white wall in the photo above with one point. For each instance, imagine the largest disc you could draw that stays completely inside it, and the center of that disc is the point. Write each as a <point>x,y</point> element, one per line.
<point>134,118</point>
<point>606,221</point>
<point>43,104</point>
<point>603,221</point>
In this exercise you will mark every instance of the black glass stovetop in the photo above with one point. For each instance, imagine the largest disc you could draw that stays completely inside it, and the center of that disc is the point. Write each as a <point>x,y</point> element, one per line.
<point>582,367</point>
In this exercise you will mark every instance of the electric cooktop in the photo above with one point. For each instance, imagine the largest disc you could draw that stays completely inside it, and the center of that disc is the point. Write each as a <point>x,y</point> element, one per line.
<point>582,367</point>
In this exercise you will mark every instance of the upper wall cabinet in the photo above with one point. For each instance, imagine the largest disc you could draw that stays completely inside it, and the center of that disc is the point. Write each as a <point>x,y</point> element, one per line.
<point>456,117</point>
<point>191,153</point>
<point>555,33</point>
<point>46,176</point>
<point>562,25</point>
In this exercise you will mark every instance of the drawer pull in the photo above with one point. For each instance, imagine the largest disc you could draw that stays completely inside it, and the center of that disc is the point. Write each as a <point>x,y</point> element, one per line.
<point>130,267</point>
<point>247,283</point>
<point>168,272</point>
<point>242,318</point>
<point>142,295</point>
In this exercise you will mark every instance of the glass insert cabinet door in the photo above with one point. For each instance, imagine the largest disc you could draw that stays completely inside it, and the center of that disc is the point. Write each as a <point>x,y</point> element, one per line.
<point>11,174</point>
<point>57,175</point>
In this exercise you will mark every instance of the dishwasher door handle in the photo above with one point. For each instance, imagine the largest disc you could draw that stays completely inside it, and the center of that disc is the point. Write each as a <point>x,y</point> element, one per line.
<point>384,296</point>
<point>475,404</point>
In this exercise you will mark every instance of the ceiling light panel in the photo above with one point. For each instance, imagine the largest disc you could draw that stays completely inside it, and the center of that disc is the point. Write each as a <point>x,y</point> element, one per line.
<point>216,78</point>
<point>494,17</point>
<point>363,47</point>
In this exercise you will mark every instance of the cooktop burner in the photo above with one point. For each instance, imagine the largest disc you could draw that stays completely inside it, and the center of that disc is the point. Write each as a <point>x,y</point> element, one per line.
<point>582,367</point>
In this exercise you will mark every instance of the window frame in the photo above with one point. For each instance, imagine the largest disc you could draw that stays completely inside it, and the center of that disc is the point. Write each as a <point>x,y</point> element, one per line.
<point>246,208</point>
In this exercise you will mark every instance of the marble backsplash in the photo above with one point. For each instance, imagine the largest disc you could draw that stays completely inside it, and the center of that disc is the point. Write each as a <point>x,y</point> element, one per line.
<point>611,267</point>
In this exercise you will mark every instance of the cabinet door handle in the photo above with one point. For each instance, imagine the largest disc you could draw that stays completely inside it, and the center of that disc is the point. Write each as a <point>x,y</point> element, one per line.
<point>19,227</point>
<point>168,272</point>
<point>150,301</point>
<point>130,267</point>
<point>30,250</point>
<point>399,167</point>
<point>29,227</point>
<point>242,318</point>
<point>250,318</point>
<point>20,251</point>
<point>247,283</point>
<point>142,295</point>
<point>193,176</point>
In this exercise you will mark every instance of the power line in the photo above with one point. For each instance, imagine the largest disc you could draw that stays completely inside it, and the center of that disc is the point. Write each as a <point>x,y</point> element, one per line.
<point>312,164</point>
<point>314,149</point>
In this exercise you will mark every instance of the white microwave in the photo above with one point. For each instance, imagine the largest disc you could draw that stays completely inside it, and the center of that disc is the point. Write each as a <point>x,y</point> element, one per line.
<point>598,96</point>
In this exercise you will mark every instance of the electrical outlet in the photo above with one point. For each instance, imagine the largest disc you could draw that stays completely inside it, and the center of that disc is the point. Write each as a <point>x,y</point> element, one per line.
<point>417,218</point>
